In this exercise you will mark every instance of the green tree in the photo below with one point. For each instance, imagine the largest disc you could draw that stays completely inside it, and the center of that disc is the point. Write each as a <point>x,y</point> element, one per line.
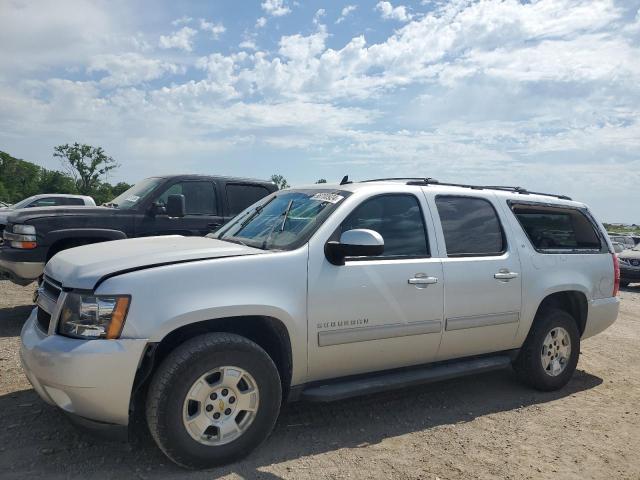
<point>322,180</point>
<point>53,181</point>
<point>19,178</point>
<point>86,164</point>
<point>280,181</point>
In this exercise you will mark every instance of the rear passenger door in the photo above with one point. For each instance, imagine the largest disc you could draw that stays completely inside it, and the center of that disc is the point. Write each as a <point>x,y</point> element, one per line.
<point>483,293</point>
<point>241,196</point>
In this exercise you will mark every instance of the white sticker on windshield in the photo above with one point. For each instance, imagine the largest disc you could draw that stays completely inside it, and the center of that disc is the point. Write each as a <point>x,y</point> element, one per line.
<point>132,198</point>
<point>327,197</point>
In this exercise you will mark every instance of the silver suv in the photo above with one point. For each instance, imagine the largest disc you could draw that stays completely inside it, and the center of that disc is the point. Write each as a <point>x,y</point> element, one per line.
<point>317,293</point>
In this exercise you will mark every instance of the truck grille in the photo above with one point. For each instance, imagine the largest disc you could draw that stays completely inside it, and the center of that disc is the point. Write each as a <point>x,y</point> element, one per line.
<point>43,319</point>
<point>52,290</point>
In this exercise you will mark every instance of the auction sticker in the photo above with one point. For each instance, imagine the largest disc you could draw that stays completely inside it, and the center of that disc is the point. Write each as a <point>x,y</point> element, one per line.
<point>327,197</point>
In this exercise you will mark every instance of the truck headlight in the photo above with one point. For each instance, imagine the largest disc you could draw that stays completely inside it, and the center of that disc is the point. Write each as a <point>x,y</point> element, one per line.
<point>21,236</point>
<point>93,316</point>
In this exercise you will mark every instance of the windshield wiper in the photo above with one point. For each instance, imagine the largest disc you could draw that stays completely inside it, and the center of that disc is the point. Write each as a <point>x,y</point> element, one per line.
<point>286,215</point>
<point>233,240</point>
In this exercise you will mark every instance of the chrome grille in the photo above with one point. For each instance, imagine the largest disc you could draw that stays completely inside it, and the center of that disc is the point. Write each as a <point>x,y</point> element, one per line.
<point>48,295</point>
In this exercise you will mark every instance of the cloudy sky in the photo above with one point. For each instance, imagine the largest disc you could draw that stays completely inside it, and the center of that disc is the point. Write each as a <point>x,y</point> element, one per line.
<point>544,94</point>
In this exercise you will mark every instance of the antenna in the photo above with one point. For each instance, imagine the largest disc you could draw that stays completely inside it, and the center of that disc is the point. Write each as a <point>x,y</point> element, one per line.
<point>345,180</point>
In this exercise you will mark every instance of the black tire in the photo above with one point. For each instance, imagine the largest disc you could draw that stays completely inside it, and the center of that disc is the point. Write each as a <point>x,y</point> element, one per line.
<point>624,284</point>
<point>178,372</point>
<point>528,364</point>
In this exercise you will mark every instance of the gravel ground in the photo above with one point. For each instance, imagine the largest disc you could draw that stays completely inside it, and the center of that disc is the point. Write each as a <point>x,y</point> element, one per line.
<point>487,426</point>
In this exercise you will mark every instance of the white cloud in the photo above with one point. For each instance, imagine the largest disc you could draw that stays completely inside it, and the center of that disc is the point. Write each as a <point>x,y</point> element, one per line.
<point>389,12</point>
<point>184,20</point>
<point>215,29</point>
<point>261,22</point>
<point>130,68</point>
<point>275,8</point>
<point>248,44</point>
<point>181,39</point>
<point>345,13</point>
<point>321,12</point>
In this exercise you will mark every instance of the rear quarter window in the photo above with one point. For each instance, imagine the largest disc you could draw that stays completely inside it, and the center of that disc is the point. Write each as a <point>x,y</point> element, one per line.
<point>240,196</point>
<point>556,229</point>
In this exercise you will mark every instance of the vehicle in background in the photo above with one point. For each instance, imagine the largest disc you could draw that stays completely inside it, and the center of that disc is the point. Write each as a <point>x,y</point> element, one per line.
<point>168,205</point>
<point>43,200</point>
<point>625,240</point>
<point>629,266</point>
<point>318,293</point>
<point>4,205</point>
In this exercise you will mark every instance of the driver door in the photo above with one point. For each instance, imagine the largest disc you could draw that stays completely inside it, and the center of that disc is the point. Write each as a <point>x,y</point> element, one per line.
<point>370,314</point>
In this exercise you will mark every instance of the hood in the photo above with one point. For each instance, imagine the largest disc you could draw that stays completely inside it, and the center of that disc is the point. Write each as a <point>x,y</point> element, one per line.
<point>22,215</point>
<point>83,267</point>
<point>630,254</point>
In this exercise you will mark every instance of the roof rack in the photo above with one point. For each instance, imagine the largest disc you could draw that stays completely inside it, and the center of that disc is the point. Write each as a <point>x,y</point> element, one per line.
<point>433,181</point>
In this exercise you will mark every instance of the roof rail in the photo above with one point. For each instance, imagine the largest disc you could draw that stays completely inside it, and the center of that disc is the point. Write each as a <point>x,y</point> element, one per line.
<point>433,181</point>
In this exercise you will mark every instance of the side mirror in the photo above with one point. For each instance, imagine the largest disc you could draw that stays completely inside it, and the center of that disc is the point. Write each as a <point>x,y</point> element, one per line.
<point>358,242</point>
<point>618,247</point>
<point>175,206</point>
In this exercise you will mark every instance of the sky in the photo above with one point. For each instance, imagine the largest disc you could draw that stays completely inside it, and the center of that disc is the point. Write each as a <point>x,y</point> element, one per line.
<point>543,94</point>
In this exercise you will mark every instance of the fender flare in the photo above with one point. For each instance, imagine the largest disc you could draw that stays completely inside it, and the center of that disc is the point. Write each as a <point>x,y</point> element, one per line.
<point>72,233</point>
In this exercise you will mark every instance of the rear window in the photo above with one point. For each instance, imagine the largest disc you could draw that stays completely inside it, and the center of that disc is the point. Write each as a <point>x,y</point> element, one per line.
<point>470,226</point>
<point>241,196</point>
<point>560,229</point>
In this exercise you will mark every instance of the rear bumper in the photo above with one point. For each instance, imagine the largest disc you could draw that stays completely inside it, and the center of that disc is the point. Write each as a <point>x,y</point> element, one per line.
<point>91,379</point>
<point>602,313</point>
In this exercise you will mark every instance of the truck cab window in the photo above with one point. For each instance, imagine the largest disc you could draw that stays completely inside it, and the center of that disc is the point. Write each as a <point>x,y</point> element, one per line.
<point>199,197</point>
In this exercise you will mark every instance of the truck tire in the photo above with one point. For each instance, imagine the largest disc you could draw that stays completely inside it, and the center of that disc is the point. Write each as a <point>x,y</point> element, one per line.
<point>550,353</point>
<point>213,400</point>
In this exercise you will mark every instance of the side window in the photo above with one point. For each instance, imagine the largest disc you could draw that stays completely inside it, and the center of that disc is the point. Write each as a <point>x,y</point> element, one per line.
<point>199,197</point>
<point>470,226</point>
<point>557,228</point>
<point>241,196</point>
<point>398,218</point>
<point>74,201</point>
<point>45,202</point>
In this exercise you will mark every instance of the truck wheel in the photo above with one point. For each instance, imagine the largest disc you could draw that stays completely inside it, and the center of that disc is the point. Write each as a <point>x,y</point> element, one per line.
<point>549,355</point>
<point>624,284</point>
<point>213,400</point>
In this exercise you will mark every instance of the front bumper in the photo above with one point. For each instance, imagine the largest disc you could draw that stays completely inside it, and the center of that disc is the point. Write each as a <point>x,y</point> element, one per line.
<point>22,273</point>
<point>629,274</point>
<point>90,379</point>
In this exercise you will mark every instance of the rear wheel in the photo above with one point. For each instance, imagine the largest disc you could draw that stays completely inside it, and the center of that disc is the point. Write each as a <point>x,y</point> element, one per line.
<point>213,400</point>
<point>549,356</point>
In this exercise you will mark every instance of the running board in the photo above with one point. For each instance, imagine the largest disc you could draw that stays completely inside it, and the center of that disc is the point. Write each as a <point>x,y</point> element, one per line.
<point>353,387</point>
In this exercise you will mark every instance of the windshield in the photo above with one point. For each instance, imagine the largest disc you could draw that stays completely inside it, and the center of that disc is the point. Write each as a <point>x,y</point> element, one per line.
<point>283,221</point>
<point>132,197</point>
<point>23,203</point>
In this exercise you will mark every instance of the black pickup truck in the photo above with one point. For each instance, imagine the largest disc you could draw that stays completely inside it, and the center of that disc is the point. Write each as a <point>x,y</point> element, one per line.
<point>169,205</point>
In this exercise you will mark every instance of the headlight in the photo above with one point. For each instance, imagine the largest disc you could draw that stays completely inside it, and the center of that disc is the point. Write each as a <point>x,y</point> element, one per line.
<point>624,260</point>
<point>21,236</point>
<point>24,229</point>
<point>93,316</point>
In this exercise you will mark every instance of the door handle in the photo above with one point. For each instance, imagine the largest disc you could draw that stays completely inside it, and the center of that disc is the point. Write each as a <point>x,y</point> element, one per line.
<point>422,280</point>
<point>505,274</point>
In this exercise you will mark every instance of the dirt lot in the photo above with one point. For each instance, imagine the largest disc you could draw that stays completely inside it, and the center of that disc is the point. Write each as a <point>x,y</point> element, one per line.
<point>487,426</point>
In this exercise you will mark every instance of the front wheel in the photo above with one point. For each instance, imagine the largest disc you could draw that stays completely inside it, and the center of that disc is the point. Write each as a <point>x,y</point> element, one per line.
<point>213,400</point>
<point>549,356</point>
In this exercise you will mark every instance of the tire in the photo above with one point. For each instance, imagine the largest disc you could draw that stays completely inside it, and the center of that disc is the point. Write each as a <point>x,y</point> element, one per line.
<point>624,284</point>
<point>191,364</point>
<point>529,364</point>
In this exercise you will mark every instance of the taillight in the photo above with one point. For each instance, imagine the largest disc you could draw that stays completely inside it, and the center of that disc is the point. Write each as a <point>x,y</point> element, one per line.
<point>616,274</point>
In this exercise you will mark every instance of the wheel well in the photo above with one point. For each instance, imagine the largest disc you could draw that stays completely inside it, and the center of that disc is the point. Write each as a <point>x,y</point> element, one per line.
<point>66,243</point>
<point>268,332</point>
<point>572,302</point>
